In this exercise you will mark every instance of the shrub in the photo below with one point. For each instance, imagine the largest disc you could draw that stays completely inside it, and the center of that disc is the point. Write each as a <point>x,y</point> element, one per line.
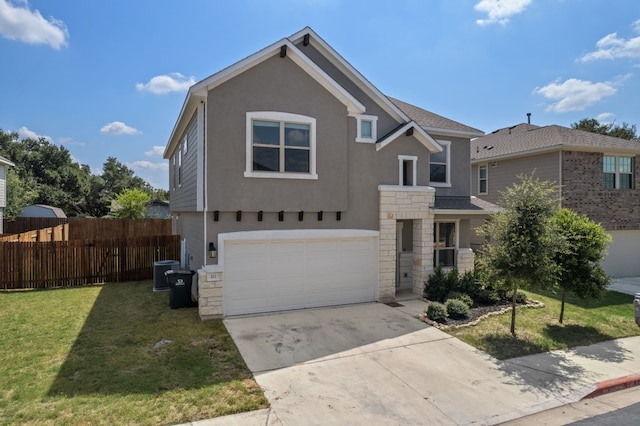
<point>521,297</point>
<point>469,283</point>
<point>440,283</point>
<point>461,296</point>
<point>437,312</point>
<point>457,309</point>
<point>488,296</point>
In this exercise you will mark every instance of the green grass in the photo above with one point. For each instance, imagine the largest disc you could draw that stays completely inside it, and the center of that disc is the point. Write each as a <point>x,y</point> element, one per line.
<point>89,356</point>
<point>538,329</point>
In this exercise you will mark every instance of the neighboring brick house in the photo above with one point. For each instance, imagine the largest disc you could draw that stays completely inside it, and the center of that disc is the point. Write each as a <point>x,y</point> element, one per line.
<point>598,176</point>
<point>294,183</point>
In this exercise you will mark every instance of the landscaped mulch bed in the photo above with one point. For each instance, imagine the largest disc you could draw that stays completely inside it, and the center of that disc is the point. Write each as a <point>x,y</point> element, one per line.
<point>476,314</point>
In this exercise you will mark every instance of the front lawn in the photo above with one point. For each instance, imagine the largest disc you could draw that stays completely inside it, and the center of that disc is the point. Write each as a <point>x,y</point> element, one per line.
<point>116,354</point>
<point>538,330</point>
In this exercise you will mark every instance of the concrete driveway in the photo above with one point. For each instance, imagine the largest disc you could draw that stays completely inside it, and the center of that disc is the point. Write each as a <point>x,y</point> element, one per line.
<point>628,285</point>
<point>374,364</point>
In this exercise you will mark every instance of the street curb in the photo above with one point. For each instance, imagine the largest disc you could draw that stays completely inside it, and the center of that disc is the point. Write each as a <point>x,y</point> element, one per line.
<point>614,385</point>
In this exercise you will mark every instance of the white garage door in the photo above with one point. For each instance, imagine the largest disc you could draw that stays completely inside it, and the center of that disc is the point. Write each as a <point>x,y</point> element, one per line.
<point>623,259</point>
<point>280,274</point>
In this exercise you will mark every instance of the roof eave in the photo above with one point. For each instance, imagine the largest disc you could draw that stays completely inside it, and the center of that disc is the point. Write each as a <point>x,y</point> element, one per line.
<point>454,132</point>
<point>343,65</point>
<point>423,137</point>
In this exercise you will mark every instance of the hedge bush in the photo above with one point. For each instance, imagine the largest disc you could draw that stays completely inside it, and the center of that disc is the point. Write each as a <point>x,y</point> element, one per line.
<point>437,311</point>
<point>457,309</point>
<point>461,296</point>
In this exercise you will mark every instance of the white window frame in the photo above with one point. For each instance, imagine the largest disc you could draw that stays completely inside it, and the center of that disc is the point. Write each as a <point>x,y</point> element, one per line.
<point>179,169</point>
<point>446,145</point>
<point>436,248</point>
<point>280,117</point>
<point>486,179</point>
<point>414,167</point>
<point>374,128</point>
<point>617,170</point>
<point>185,145</point>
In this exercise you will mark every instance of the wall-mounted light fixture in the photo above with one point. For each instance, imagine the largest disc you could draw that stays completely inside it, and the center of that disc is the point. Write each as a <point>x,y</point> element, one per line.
<point>213,252</point>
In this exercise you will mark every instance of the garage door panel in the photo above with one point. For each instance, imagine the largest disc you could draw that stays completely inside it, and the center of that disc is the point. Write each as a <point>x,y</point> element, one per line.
<point>284,274</point>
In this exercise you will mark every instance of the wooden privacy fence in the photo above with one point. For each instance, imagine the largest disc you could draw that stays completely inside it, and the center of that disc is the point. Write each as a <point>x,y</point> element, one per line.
<point>88,229</point>
<point>82,262</point>
<point>57,233</point>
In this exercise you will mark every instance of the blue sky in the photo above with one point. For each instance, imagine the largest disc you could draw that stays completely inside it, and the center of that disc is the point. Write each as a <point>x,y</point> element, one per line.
<point>108,78</point>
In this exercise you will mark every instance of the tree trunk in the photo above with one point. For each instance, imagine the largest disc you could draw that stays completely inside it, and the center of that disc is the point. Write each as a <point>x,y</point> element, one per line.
<point>513,311</point>
<point>564,293</point>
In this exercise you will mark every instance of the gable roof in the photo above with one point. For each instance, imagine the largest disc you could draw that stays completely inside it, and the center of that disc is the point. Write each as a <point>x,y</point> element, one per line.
<point>527,139</point>
<point>413,129</point>
<point>412,118</point>
<point>282,47</point>
<point>6,162</point>
<point>435,123</point>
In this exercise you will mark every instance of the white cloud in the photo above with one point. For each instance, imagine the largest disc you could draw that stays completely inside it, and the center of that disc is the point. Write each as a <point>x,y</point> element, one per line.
<point>65,140</point>
<point>161,84</point>
<point>613,47</point>
<point>604,117</point>
<point>26,133</point>
<point>118,128</point>
<point>148,165</point>
<point>22,24</point>
<point>499,11</point>
<point>574,94</point>
<point>155,151</point>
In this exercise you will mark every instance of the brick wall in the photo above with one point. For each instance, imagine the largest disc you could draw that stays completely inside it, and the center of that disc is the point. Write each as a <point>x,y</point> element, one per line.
<point>583,191</point>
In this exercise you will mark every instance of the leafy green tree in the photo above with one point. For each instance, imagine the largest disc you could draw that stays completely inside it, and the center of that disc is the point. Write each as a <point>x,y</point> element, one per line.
<point>521,250</point>
<point>130,204</point>
<point>19,195</point>
<point>623,131</point>
<point>579,258</point>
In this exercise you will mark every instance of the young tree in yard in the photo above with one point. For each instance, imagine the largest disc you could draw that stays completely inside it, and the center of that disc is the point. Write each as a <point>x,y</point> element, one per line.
<point>130,204</point>
<point>579,259</point>
<point>521,250</point>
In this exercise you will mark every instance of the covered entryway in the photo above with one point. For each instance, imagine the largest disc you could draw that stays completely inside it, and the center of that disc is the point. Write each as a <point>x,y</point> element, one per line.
<point>267,271</point>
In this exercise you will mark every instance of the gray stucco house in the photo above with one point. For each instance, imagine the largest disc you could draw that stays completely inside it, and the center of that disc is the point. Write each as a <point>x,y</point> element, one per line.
<point>294,183</point>
<point>598,176</point>
<point>4,163</point>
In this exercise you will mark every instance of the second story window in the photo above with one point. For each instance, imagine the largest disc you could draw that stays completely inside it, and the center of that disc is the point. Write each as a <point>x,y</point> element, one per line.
<point>280,145</point>
<point>367,130</point>
<point>617,172</point>
<point>439,167</point>
<point>483,178</point>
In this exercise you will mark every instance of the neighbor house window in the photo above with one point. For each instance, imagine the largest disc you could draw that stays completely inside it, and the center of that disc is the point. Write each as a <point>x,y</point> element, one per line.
<point>617,172</point>
<point>180,167</point>
<point>439,169</point>
<point>367,128</point>
<point>482,179</point>
<point>444,244</point>
<point>280,145</point>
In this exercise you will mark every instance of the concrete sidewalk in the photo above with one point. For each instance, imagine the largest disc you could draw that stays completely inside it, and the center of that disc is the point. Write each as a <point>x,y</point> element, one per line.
<point>373,364</point>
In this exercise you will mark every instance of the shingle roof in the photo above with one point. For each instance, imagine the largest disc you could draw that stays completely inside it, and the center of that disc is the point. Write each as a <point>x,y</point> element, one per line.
<point>525,138</point>
<point>470,204</point>
<point>433,121</point>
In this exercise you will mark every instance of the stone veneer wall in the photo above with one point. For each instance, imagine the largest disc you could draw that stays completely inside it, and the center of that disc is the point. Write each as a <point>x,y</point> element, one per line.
<point>398,203</point>
<point>210,302</point>
<point>465,260</point>
<point>406,267</point>
<point>583,191</point>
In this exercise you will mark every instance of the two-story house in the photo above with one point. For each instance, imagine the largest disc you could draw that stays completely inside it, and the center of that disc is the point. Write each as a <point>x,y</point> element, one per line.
<point>294,182</point>
<point>597,176</point>
<point>4,163</point>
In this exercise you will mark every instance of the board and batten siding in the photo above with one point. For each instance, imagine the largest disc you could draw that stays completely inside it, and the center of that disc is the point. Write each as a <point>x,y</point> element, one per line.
<point>183,196</point>
<point>3,187</point>
<point>502,174</point>
<point>192,230</point>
